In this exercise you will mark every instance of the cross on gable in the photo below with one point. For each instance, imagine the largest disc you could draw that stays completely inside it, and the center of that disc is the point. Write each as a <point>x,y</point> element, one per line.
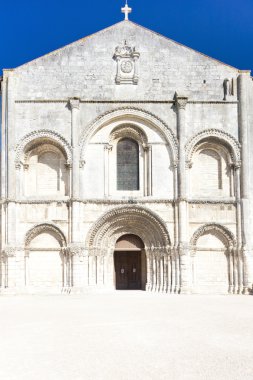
<point>126,10</point>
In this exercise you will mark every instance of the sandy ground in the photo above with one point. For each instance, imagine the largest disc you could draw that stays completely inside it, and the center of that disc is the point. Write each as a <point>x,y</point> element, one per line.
<point>126,335</point>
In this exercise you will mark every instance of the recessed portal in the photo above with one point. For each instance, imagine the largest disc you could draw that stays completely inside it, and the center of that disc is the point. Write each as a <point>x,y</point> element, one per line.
<point>130,263</point>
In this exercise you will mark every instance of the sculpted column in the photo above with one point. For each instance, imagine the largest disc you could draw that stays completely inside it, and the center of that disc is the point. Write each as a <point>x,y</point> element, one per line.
<point>181,103</point>
<point>246,201</point>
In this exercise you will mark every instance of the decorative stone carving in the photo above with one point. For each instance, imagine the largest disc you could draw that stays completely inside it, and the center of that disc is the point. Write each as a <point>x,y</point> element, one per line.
<point>123,113</point>
<point>223,137</point>
<point>46,135</point>
<point>74,103</point>
<point>226,235</point>
<point>108,147</point>
<point>126,220</point>
<point>81,164</point>
<point>45,227</point>
<point>181,101</point>
<point>75,249</point>
<point>126,58</point>
<point>129,131</point>
<point>9,251</point>
<point>41,148</point>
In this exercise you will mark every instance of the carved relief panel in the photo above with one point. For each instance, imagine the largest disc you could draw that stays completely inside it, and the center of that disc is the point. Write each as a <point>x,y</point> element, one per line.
<point>127,69</point>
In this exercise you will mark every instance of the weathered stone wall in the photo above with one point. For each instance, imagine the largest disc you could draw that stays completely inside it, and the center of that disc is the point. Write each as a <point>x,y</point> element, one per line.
<point>178,100</point>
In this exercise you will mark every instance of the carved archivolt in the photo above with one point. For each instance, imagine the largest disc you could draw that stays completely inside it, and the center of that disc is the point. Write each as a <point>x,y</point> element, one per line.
<point>40,149</point>
<point>123,113</point>
<point>224,137</point>
<point>124,220</point>
<point>129,131</point>
<point>47,136</point>
<point>42,228</point>
<point>224,233</point>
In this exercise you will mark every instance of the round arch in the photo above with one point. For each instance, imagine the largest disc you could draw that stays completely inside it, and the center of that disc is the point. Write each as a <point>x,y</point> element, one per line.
<point>227,236</point>
<point>42,228</point>
<point>122,115</point>
<point>221,136</point>
<point>119,221</point>
<point>129,131</point>
<point>43,135</point>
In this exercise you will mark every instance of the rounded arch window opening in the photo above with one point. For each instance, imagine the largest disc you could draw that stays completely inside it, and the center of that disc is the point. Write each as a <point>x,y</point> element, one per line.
<point>128,165</point>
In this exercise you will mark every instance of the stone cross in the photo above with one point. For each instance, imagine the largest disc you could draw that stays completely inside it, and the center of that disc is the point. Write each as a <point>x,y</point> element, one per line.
<point>126,10</point>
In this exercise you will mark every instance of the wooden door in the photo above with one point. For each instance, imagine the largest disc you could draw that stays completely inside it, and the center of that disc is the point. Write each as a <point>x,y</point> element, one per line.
<point>128,270</point>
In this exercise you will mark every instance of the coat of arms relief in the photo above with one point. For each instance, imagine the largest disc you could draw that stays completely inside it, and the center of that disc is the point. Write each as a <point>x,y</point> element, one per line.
<point>127,61</point>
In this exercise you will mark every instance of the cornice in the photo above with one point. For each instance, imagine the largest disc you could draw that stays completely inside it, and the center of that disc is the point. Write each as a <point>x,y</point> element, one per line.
<point>87,101</point>
<point>129,201</point>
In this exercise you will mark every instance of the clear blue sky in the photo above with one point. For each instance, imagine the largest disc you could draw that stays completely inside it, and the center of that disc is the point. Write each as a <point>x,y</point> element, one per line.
<point>222,29</point>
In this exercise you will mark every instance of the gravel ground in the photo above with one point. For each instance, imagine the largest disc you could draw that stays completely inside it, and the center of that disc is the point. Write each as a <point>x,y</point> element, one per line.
<point>126,335</point>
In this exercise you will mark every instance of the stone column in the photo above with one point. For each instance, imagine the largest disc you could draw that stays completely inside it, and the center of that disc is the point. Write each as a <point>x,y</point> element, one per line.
<point>107,150</point>
<point>243,93</point>
<point>181,102</point>
<point>147,171</point>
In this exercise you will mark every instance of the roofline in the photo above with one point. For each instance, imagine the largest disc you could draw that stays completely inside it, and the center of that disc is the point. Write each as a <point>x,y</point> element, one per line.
<point>68,45</point>
<point>140,26</point>
<point>187,47</point>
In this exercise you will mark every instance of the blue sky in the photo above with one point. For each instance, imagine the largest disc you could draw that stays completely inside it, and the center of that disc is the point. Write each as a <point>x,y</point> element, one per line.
<point>222,29</point>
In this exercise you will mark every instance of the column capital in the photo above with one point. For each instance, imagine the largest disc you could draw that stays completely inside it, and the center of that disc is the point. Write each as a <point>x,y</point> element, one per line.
<point>108,147</point>
<point>9,251</point>
<point>77,250</point>
<point>74,103</point>
<point>181,101</point>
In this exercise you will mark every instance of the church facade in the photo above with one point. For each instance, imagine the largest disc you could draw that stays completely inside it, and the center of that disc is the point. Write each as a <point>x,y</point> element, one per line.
<point>126,164</point>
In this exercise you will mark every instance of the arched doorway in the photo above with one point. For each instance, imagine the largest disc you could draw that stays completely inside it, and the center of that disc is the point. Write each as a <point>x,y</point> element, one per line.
<point>159,273</point>
<point>129,263</point>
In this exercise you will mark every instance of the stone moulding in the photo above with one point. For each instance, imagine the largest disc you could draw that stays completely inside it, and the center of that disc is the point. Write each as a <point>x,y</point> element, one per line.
<point>124,220</point>
<point>42,134</point>
<point>45,227</point>
<point>224,137</point>
<point>99,101</point>
<point>124,112</point>
<point>228,237</point>
<point>129,131</point>
<point>121,201</point>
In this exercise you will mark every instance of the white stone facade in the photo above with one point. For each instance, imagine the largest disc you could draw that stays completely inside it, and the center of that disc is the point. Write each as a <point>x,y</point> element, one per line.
<point>62,214</point>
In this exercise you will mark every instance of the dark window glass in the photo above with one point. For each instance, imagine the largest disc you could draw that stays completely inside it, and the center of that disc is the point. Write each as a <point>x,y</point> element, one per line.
<point>127,165</point>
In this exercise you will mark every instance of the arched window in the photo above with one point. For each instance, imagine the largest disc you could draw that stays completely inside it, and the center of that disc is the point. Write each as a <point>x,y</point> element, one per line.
<point>128,165</point>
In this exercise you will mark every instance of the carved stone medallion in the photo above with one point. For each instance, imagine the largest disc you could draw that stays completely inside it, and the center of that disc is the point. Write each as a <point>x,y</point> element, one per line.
<point>127,70</point>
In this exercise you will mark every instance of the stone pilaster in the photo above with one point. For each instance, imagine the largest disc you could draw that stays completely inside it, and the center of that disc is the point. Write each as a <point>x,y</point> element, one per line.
<point>246,201</point>
<point>181,103</point>
<point>74,106</point>
<point>75,206</point>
